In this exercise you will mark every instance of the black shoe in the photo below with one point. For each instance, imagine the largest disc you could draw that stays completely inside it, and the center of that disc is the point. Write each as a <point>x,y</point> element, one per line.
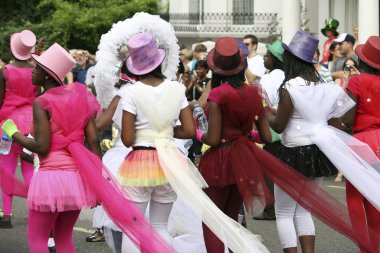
<point>52,249</point>
<point>5,224</point>
<point>97,236</point>
<point>265,215</point>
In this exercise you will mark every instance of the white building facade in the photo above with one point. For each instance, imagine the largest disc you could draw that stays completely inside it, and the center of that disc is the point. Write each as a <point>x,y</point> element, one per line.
<point>200,20</point>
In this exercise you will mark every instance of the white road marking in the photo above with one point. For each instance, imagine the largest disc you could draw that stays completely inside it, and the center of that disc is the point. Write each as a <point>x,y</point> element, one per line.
<point>84,230</point>
<point>335,186</point>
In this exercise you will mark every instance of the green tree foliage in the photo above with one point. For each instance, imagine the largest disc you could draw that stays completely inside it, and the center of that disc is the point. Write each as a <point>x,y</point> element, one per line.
<point>71,23</point>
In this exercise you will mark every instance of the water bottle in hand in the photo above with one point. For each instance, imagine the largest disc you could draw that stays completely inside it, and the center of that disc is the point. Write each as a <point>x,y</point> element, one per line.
<point>201,118</point>
<point>5,144</point>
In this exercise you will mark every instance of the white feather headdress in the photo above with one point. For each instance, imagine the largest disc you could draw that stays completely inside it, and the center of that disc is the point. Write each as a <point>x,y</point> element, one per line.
<point>108,62</point>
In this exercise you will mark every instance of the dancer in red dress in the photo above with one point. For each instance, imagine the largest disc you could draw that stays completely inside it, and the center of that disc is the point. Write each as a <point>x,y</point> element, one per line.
<point>364,118</point>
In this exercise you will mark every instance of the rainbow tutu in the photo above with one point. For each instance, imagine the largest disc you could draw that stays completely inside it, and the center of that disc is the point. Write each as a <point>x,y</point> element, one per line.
<point>141,168</point>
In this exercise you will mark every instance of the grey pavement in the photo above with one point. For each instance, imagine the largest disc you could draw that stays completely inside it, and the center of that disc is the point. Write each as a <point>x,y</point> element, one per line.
<point>327,240</point>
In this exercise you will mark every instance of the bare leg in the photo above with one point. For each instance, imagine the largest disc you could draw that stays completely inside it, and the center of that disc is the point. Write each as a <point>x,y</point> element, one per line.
<point>307,243</point>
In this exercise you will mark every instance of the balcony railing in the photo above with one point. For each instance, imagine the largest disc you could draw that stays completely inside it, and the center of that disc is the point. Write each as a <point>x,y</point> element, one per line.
<point>222,23</point>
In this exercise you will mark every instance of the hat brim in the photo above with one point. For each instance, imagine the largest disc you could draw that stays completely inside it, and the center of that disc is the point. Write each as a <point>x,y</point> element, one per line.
<point>324,30</point>
<point>152,66</point>
<point>36,57</point>
<point>362,57</point>
<point>222,72</point>
<point>290,51</point>
<point>18,55</point>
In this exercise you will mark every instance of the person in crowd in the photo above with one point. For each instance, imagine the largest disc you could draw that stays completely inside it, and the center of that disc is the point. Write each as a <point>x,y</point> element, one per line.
<point>355,31</point>
<point>309,145</point>
<point>81,68</point>
<point>150,172</point>
<point>229,122</point>
<point>194,92</point>
<point>364,119</point>
<point>330,31</point>
<point>347,42</point>
<point>323,72</point>
<point>146,182</point>
<point>270,82</point>
<point>255,61</point>
<point>334,55</point>
<point>197,86</point>
<point>350,68</point>
<point>17,94</point>
<point>57,192</point>
<point>199,53</point>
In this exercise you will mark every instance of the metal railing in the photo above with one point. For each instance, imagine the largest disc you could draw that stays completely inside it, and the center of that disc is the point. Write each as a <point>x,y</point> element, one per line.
<point>263,23</point>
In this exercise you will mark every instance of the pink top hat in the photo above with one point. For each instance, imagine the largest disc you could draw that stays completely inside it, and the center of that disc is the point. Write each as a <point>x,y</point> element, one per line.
<point>144,55</point>
<point>56,61</point>
<point>22,44</point>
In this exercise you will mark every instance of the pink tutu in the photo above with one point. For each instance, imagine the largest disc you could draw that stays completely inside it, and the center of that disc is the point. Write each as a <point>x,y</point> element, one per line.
<point>59,190</point>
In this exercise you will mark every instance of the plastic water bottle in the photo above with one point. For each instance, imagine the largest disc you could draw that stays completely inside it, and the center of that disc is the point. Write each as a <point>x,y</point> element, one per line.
<point>201,118</point>
<point>5,144</point>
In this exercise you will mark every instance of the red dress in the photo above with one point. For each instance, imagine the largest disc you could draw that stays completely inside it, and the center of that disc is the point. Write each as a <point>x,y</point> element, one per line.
<point>230,162</point>
<point>366,88</point>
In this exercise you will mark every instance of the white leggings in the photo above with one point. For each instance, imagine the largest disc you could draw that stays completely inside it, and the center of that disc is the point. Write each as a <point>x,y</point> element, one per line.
<point>158,216</point>
<point>291,218</point>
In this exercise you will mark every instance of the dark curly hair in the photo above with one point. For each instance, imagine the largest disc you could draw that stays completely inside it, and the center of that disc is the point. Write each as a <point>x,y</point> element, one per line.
<point>295,67</point>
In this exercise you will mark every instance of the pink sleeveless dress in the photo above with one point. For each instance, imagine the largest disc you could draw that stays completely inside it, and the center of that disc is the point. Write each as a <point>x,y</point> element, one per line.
<point>58,185</point>
<point>19,96</point>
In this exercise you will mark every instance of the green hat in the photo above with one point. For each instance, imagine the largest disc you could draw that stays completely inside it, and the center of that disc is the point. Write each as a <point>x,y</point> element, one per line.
<point>331,24</point>
<point>276,49</point>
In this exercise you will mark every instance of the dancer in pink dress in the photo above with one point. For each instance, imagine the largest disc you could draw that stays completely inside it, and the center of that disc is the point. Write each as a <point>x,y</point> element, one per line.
<point>17,94</point>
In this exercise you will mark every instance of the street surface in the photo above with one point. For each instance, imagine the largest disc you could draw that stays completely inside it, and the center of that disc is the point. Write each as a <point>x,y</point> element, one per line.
<point>327,241</point>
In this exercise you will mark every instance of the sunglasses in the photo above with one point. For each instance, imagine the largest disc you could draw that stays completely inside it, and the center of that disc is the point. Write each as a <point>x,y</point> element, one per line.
<point>247,44</point>
<point>347,67</point>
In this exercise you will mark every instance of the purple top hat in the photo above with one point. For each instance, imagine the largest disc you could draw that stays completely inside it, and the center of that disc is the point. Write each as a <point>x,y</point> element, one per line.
<point>144,55</point>
<point>303,46</point>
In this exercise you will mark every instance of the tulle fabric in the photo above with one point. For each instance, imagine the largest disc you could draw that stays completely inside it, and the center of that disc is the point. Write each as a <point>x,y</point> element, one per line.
<point>186,228</point>
<point>353,158</point>
<point>59,191</point>
<point>372,138</point>
<point>185,179</point>
<point>112,159</point>
<point>141,168</point>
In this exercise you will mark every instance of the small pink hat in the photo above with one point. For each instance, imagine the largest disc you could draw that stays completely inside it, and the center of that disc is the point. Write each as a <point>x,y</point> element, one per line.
<point>22,44</point>
<point>56,61</point>
<point>144,55</point>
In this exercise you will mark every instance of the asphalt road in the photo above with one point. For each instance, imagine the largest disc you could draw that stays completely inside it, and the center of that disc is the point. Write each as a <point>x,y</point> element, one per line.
<point>327,240</point>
